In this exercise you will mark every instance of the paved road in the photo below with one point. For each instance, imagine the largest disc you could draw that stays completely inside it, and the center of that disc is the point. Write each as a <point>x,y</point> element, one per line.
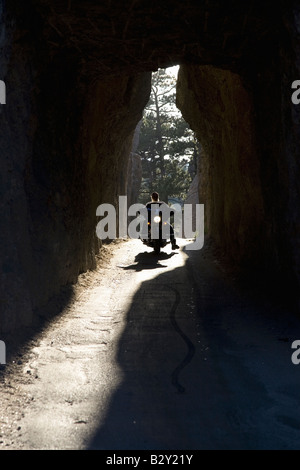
<point>160,353</point>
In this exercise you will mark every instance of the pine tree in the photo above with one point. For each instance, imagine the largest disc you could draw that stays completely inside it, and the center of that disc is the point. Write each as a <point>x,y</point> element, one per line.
<point>167,145</point>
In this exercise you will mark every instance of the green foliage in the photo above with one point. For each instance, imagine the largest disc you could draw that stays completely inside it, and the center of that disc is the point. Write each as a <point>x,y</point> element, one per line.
<point>167,145</point>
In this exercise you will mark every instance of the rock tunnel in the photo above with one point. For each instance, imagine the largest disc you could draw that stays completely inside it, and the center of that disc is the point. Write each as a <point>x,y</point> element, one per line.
<point>77,76</point>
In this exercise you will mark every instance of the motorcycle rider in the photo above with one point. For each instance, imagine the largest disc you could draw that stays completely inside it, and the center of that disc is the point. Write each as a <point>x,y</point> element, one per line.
<point>155,200</point>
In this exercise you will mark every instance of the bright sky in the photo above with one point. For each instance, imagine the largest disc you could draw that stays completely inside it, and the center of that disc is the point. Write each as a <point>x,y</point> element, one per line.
<point>173,70</point>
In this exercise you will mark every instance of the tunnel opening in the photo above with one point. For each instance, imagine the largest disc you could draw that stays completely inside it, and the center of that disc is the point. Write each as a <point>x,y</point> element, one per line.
<point>167,147</point>
<point>72,107</point>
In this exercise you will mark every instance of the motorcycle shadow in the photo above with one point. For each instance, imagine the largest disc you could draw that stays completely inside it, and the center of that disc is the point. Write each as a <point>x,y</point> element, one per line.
<point>149,260</point>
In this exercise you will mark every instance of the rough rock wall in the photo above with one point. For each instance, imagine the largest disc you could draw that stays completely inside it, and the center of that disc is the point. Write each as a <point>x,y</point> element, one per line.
<point>192,196</point>
<point>134,178</point>
<point>111,117</point>
<point>249,172</point>
<point>64,150</point>
<point>18,125</point>
<point>286,149</point>
<point>218,107</point>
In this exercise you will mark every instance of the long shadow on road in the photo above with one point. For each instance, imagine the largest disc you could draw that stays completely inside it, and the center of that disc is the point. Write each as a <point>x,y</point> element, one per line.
<point>149,260</point>
<point>204,365</point>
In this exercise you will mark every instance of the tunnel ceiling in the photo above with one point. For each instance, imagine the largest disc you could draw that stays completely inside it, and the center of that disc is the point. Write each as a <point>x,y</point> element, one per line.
<point>115,36</point>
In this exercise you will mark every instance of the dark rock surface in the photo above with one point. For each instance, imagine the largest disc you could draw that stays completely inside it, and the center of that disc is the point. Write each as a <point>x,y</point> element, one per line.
<point>218,107</point>
<point>78,76</point>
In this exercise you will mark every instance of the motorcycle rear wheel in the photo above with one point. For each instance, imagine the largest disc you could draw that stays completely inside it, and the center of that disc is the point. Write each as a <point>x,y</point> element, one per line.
<point>156,247</point>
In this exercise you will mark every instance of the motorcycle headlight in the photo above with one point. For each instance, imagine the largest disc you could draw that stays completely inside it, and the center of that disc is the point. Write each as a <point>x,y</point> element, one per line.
<point>157,219</point>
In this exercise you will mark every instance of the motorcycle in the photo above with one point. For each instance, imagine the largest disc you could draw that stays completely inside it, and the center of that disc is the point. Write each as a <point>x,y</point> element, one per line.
<point>155,238</point>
